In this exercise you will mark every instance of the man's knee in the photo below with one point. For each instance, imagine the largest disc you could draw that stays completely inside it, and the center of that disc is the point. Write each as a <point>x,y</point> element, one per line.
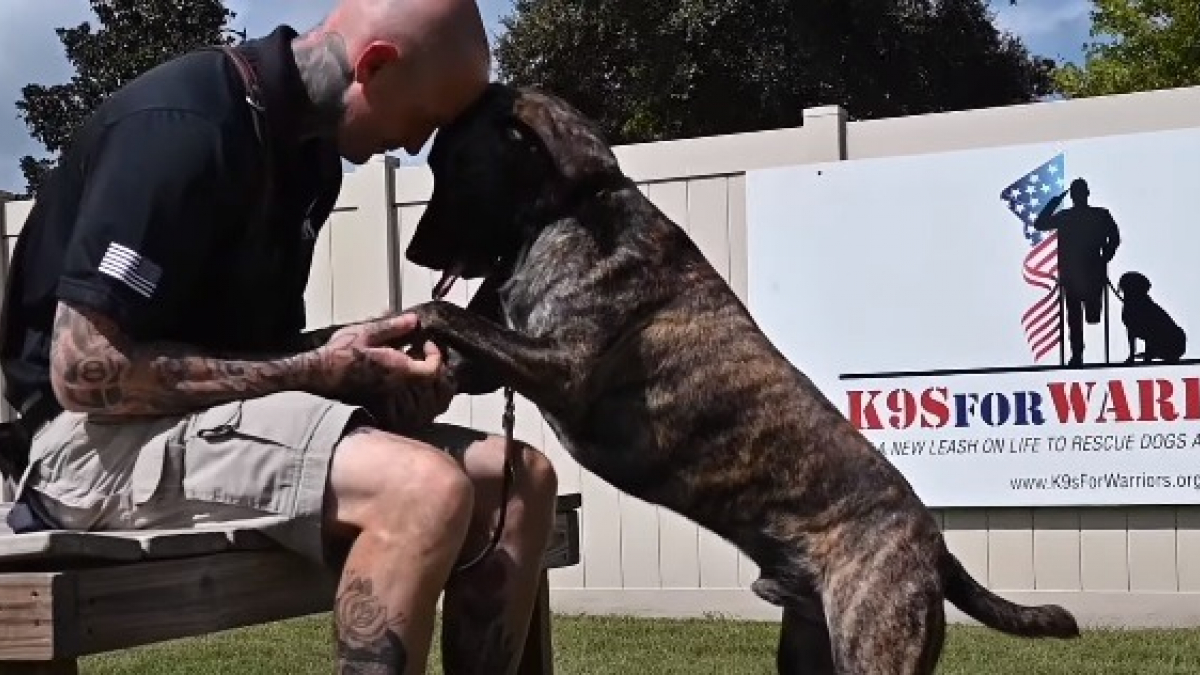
<point>537,479</point>
<point>542,477</point>
<point>379,481</point>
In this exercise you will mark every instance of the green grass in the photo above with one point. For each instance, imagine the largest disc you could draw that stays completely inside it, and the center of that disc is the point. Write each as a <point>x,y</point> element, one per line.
<point>622,646</point>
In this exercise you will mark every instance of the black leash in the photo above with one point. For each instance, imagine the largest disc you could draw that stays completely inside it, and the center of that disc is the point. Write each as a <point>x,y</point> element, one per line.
<point>509,420</point>
<point>1117,293</point>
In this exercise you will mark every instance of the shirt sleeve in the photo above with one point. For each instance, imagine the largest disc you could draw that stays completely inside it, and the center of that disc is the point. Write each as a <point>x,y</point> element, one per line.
<point>147,217</point>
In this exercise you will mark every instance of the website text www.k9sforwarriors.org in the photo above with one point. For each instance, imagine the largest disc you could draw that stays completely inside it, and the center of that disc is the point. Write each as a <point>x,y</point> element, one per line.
<point>1106,481</point>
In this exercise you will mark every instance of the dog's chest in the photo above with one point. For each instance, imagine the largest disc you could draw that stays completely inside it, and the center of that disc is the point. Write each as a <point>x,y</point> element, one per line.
<point>546,284</point>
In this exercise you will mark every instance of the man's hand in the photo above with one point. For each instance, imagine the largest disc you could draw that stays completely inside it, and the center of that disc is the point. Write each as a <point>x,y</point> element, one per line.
<point>366,359</point>
<point>416,404</point>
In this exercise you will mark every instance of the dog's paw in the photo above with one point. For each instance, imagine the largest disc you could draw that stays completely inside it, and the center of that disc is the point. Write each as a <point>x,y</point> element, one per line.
<point>431,315</point>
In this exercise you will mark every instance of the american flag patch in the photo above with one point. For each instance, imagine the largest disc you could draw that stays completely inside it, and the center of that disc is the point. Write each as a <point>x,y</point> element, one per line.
<point>128,266</point>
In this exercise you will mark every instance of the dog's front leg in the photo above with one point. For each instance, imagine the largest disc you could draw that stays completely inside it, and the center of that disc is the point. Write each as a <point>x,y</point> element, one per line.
<point>472,376</point>
<point>539,368</point>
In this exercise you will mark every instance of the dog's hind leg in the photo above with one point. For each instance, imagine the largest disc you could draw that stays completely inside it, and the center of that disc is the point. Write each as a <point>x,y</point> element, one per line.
<point>885,627</point>
<point>804,647</point>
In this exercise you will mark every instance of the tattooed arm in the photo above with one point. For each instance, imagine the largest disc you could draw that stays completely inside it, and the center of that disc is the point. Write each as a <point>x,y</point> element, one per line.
<point>95,368</point>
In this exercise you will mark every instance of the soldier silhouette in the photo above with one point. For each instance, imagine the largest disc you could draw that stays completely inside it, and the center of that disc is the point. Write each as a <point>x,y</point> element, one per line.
<point>1088,238</point>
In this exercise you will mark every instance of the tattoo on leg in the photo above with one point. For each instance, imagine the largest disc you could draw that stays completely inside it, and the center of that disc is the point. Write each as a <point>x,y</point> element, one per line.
<point>476,639</point>
<point>368,640</point>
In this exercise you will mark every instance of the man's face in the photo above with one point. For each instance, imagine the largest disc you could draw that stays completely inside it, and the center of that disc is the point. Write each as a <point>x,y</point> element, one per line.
<point>395,104</point>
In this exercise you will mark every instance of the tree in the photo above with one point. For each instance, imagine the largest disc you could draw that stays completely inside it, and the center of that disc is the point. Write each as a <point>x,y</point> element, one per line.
<point>133,36</point>
<point>1137,45</point>
<point>675,68</point>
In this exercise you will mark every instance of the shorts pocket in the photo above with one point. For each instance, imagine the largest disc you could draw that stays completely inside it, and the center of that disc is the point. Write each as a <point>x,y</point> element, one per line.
<point>88,465</point>
<point>249,453</point>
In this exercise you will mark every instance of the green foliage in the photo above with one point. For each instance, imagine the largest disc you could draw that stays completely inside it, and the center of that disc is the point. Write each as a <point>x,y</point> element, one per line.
<point>132,37</point>
<point>676,68</point>
<point>1137,45</point>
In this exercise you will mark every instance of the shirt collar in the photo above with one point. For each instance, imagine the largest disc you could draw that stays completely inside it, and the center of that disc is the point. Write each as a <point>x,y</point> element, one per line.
<point>283,92</point>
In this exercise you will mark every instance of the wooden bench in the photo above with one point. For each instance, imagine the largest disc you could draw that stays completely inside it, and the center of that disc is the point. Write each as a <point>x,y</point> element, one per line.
<point>64,595</point>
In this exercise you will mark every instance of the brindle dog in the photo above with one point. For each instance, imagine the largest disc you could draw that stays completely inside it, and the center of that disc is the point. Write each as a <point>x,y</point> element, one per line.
<point>654,376</point>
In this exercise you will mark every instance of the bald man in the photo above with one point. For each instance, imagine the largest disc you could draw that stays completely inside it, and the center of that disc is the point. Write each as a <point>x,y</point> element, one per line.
<point>153,337</point>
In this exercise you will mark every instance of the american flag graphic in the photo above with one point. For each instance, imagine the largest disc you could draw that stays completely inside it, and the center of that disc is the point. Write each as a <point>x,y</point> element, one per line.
<point>1026,197</point>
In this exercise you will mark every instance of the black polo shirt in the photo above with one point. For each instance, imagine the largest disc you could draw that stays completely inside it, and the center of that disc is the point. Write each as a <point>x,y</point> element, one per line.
<point>153,215</point>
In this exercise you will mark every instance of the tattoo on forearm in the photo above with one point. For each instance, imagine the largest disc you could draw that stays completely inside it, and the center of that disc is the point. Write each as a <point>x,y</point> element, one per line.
<point>96,369</point>
<point>367,635</point>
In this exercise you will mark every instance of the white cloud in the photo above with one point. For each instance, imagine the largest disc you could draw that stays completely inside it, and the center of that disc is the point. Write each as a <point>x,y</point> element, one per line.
<point>1053,28</point>
<point>259,17</point>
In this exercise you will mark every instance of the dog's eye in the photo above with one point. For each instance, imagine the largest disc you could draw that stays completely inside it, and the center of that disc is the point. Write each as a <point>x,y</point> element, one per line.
<point>522,137</point>
<point>515,134</point>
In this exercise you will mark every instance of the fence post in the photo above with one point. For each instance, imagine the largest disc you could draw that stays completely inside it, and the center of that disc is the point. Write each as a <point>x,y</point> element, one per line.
<point>360,241</point>
<point>829,124</point>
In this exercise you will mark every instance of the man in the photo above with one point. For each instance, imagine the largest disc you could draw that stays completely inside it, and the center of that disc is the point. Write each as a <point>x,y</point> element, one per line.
<point>152,336</point>
<point>1088,238</point>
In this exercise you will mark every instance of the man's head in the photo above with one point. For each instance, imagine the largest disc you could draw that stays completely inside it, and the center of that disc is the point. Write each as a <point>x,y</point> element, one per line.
<point>1079,192</point>
<point>390,72</point>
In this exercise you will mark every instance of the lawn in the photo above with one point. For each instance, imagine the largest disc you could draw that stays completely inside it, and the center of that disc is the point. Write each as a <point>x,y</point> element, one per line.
<point>621,646</point>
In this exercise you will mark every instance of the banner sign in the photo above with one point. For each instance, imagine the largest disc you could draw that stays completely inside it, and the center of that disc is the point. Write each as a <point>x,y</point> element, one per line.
<point>1009,326</point>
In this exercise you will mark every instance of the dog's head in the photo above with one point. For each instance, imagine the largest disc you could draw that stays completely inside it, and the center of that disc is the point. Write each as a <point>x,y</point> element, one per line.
<point>504,168</point>
<point>1134,285</point>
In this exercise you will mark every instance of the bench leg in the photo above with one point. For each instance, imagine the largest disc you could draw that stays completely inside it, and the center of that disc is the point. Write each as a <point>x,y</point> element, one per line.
<point>538,657</point>
<point>60,667</point>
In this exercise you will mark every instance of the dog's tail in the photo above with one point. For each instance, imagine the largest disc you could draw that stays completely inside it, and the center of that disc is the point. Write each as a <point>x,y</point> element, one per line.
<point>995,612</point>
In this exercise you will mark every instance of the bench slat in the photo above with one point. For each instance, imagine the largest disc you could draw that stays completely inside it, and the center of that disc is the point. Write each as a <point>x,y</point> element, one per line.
<point>60,548</point>
<point>66,547</point>
<point>63,548</point>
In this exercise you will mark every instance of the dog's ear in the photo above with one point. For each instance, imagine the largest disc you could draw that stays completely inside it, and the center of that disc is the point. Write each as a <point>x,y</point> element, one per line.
<point>574,144</point>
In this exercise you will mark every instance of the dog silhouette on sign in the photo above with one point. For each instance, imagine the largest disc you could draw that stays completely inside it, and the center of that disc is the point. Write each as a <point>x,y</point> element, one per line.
<point>1147,321</point>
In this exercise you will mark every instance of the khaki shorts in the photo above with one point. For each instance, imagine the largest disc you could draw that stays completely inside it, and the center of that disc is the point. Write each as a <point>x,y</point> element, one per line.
<point>267,456</point>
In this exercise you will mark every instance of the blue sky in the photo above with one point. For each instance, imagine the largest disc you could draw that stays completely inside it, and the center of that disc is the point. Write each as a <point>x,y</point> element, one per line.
<point>31,52</point>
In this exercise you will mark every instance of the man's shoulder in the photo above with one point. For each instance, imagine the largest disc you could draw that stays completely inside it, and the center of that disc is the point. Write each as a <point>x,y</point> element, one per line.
<point>194,86</point>
<point>191,101</point>
<point>1084,213</point>
<point>1097,214</point>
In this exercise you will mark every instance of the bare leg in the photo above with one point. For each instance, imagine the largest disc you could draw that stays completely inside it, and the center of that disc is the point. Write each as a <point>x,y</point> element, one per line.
<point>487,608</point>
<point>407,507</point>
